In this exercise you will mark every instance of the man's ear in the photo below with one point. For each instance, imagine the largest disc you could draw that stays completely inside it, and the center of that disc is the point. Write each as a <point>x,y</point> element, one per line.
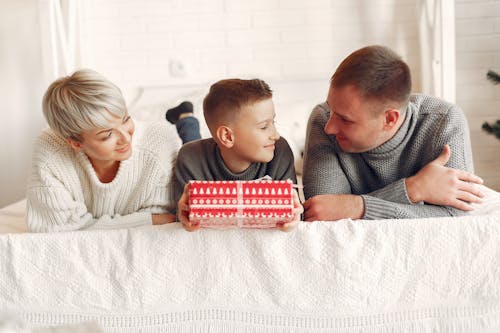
<point>391,118</point>
<point>76,145</point>
<point>225,136</point>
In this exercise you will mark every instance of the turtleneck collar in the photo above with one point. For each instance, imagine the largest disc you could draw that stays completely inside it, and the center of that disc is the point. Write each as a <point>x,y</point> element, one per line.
<point>400,136</point>
<point>249,174</point>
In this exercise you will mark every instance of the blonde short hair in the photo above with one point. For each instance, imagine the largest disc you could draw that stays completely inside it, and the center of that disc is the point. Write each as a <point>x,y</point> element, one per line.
<point>77,103</point>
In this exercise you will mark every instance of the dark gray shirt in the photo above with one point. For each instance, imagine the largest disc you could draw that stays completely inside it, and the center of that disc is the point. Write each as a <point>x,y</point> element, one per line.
<point>379,174</point>
<point>201,160</point>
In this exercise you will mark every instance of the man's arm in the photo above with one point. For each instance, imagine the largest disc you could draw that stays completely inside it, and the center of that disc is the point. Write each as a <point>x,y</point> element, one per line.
<point>448,180</point>
<point>440,185</point>
<point>452,172</point>
<point>333,207</point>
<point>321,171</point>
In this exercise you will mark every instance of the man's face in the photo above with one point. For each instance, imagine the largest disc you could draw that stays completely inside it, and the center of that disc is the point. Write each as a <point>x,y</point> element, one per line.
<point>356,122</point>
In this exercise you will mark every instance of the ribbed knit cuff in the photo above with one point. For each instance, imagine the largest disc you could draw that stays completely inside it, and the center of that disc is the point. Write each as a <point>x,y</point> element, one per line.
<point>126,221</point>
<point>376,208</point>
<point>394,192</point>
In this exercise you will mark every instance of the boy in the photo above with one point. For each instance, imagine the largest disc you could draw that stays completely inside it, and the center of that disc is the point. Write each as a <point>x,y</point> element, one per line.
<point>244,145</point>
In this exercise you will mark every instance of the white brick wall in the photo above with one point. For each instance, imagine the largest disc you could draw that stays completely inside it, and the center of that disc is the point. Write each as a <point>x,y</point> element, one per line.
<point>133,42</point>
<point>294,45</point>
<point>478,50</point>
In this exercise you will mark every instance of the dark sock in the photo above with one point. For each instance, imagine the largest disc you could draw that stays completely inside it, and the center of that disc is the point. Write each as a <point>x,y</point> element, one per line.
<point>172,115</point>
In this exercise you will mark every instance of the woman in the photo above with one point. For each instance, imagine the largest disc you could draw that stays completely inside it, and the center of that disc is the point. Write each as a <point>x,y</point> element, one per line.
<point>94,168</point>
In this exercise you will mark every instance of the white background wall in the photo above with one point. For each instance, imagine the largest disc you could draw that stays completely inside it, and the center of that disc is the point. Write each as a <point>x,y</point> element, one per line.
<point>136,43</point>
<point>141,43</point>
<point>176,48</point>
<point>21,87</point>
<point>478,49</point>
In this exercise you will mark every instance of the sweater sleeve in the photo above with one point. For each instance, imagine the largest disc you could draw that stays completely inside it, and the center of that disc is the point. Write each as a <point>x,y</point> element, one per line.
<point>376,208</point>
<point>322,173</point>
<point>392,201</point>
<point>452,130</point>
<point>51,207</point>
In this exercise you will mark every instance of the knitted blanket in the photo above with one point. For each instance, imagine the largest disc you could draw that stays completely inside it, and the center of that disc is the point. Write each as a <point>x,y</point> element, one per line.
<point>429,275</point>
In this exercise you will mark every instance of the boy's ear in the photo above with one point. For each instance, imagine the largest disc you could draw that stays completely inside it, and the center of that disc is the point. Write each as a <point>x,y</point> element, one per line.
<point>76,145</point>
<point>225,136</point>
<point>391,118</point>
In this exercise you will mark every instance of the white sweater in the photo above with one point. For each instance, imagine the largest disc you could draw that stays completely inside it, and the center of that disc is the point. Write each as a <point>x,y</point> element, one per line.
<point>65,193</point>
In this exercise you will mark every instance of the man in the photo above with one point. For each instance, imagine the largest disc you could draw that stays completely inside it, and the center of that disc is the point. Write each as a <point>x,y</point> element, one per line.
<point>374,151</point>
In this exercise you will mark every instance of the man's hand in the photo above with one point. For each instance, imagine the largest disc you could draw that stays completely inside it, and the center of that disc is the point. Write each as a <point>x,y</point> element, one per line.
<point>297,210</point>
<point>183,211</point>
<point>440,185</point>
<point>332,207</point>
<point>162,218</point>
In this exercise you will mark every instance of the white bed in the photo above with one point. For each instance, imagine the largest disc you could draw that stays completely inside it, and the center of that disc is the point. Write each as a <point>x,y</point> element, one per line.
<point>421,275</point>
<point>12,218</point>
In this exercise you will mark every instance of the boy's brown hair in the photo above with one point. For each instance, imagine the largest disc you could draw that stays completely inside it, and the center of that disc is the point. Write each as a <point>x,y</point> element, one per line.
<point>227,97</point>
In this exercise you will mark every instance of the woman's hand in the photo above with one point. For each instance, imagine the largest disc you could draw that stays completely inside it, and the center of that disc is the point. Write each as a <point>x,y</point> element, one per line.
<point>162,218</point>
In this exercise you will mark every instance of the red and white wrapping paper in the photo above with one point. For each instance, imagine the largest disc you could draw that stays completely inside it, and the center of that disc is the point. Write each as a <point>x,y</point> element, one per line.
<point>244,204</point>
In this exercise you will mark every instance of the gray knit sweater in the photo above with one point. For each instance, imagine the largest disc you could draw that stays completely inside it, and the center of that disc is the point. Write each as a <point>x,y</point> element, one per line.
<point>201,160</point>
<point>378,175</point>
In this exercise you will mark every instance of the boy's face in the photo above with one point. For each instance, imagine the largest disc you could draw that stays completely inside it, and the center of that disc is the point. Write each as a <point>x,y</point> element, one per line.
<point>254,134</point>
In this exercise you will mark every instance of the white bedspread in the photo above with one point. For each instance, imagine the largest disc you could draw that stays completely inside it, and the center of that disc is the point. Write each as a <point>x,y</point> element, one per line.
<point>427,275</point>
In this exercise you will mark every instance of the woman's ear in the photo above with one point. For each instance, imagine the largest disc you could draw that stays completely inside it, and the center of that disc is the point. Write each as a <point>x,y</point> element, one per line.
<point>76,145</point>
<point>225,136</point>
<point>391,118</point>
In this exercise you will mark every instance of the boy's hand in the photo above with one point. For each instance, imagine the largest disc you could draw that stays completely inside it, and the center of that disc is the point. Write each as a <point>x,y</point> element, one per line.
<point>297,210</point>
<point>183,211</point>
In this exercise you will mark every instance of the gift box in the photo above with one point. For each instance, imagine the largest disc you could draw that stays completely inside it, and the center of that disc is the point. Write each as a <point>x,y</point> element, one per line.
<point>244,204</point>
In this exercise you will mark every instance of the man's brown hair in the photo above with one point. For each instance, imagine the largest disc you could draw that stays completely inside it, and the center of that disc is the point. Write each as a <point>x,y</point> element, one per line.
<point>378,72</point>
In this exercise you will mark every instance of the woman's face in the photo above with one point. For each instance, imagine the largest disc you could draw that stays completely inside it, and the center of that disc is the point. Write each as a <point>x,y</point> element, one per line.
<point>108,144</point>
